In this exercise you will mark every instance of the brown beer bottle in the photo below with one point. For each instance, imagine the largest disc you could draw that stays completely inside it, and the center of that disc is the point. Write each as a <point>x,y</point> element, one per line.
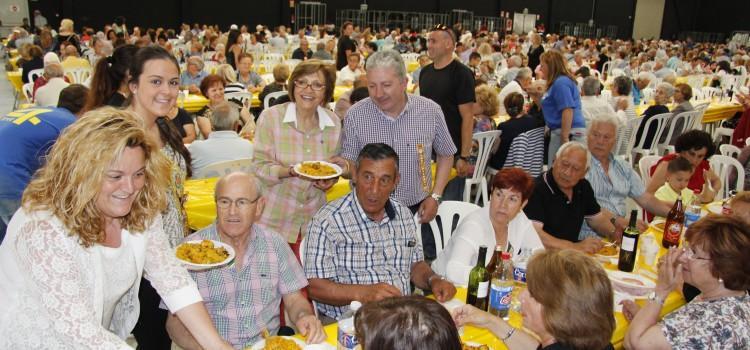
<point>674,224</point>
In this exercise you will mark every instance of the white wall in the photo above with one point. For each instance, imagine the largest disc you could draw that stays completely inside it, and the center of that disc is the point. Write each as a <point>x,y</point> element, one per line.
<point>11,19</point>
<point>648,17</point>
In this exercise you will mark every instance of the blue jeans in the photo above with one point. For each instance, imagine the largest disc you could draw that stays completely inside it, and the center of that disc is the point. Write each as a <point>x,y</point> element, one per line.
<point>576,134</point>
<point>8,207</point>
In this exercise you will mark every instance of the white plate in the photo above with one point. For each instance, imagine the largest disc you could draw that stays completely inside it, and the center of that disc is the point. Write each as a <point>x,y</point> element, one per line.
<point>656,222</point>
<point>473,343</point>
<point>323,346</point>
<point>202,267</point>
<point>335,167</point>
<point>631,283</point>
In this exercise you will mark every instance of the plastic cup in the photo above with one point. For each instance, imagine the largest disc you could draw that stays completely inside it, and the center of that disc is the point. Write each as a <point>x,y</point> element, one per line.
<point>649,250</point>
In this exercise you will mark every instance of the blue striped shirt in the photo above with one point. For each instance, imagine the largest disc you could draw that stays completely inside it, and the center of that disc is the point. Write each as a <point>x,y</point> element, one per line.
<point>420,123</point>
<point>611,191</point>
<point>347,247</point>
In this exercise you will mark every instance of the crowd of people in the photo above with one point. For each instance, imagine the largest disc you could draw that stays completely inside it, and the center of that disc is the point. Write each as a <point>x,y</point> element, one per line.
<point>92,186</point>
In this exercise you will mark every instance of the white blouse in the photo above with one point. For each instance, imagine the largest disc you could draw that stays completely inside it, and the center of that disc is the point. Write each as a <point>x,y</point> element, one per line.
<point>53,290</point>
<point>460,254</point>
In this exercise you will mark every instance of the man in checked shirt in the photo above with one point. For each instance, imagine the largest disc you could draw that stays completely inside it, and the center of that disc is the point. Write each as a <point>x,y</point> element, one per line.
<point>243,297</point>
<point>413,126</point>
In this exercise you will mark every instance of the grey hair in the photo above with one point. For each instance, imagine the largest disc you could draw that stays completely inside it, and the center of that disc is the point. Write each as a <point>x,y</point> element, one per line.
<point>606,118</point>
<point>224,116</point>
<point>517,61</point>
<point>574,144</point>
<point>524,73</point>
<point>387,59</point>
<point>667,87</point>
<point>644,76</point>
<point>196,60</point>
<point>54,70</point>
<point>591,86</point>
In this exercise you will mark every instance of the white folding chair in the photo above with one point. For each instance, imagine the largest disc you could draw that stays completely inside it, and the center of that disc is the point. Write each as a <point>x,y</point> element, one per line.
<point>644,167</point>
<point>78,75</point>
<point>35,73</point>
<point>710,92</point>
<point>729,150</point>
<point>210,66</point>
<point>270,60</point>
<point>657,123</point>
<point>724,166</point>
<point>272,97</point>
<point>450,214</point>
<point>696,81</point>
<point>484,140</point>
<point>222,168</point>
<point>267,78</point>
<point>626,137</point>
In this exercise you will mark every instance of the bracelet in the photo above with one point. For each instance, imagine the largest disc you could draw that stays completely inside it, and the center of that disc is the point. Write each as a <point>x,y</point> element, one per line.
<point>291,171</point>
<point>509,334</point>
<point>429,280</point>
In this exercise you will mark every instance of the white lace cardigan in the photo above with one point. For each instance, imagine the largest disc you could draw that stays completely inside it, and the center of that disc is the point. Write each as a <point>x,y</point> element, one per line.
<point>51,287</point>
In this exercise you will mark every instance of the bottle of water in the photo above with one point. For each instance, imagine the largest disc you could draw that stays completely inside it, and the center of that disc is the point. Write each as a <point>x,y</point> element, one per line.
<point>501,289</point>
<point>693,213</point>
<point>346,339</point>
<point>519,266</point>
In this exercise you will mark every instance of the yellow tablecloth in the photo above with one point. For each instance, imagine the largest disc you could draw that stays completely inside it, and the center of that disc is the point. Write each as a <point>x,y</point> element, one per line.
<point>14,61</point>
<point>412,66</point>
<point>15,79</point>
<point>193,103</point>
<point>483,336</point>
<point>716,111</point>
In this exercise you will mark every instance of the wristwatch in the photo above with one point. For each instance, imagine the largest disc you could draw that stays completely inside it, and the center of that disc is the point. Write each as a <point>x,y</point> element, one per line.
<point>434,276</point>
<point>436,197</point>
<point>464,158</point>
<point>655,298</point>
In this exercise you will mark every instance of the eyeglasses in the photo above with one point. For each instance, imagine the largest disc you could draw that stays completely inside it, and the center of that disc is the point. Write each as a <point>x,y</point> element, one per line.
<point>316,86</point>
<point>241,203</point>
<point>690,254</point>
<point>440,27</point>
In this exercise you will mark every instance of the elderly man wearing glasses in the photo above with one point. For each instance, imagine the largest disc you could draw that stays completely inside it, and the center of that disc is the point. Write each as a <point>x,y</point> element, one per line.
<point>243,297</point>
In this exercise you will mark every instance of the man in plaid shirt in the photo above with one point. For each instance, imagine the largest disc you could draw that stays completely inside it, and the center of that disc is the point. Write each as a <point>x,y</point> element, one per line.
<point>365,246</point>
<point>243,297</point>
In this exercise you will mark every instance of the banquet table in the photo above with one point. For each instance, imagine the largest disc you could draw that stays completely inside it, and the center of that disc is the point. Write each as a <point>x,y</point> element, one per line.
<point>483,336</point>
<point>193,102</point>
<point>201,208</point>
<point>716,111</point>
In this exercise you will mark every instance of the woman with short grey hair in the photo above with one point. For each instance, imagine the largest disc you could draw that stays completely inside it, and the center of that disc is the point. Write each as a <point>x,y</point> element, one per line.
<point>663,93</point>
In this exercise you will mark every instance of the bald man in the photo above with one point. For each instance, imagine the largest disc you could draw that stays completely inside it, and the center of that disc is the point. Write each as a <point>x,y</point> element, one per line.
<point>73,60</point>
<point>243,297</point>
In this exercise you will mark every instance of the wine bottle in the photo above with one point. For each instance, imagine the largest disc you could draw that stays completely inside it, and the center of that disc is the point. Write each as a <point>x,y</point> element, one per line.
<point>479,282</point>
<point>674,224</point>
<point>629,245</point>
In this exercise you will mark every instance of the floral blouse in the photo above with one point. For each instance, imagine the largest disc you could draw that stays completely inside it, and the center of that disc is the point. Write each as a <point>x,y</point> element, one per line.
<point>714,324</point>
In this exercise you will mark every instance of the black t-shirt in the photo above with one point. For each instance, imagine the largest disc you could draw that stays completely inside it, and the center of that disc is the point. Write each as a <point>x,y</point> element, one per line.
<point>534,54</point>
<point>298,54</point>
<point>181,119</point>
<point>550,206</point>
<point>650,112</point>
<point>117,100</point>
<point>345,43</point>
<point>558,346</point>
<point>28,66</point>
<point>510,129</point>
<point>449,87</point>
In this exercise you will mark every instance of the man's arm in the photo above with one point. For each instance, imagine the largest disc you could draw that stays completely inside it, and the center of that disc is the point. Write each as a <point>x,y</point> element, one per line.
<point>467,129</point>
<point>332,293</point>
<point>428,208</point>
<point>425,278</point>
<point>301,314</point>
<point>180,335</point>
<point>588,245</point>
<point>602,225</point>
<point>653,205</point>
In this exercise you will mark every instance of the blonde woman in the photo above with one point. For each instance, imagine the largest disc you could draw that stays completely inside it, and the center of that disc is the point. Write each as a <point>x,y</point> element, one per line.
<point>66,36</point>
<point>89,228</point>
<point>561,104</point>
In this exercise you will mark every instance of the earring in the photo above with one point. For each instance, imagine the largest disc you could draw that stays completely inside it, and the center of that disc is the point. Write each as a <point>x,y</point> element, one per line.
<point>721,281</point>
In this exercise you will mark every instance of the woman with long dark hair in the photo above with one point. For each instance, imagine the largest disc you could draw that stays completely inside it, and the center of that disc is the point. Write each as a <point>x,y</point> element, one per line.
<point>233,48</point>
<point>109,83</point>
<point>154,84</point>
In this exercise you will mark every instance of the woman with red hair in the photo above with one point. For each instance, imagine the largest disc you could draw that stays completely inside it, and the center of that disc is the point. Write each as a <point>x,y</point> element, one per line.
<point>502,222</point>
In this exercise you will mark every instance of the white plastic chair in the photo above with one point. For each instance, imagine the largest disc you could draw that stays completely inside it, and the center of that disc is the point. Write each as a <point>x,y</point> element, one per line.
<point>273,96</point>
<point>239,96</point>
<point>210,66</point>
<point>78,75</point>
<point>644,167</point>
<point>484,140</point>
<point>710,92</point>
<point>657,122</point>
<point>648,94</point>
<point>729,151</point>
<point>222,168</point>
<point>267,78</point>
<point>724,166</point>
<point>696,81</point>
<point>27,90</point>
<point>678,124</point>
<point>450,214</point>
<point>270,60</point>
<point>35,73</point>
<point>626,138</point>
